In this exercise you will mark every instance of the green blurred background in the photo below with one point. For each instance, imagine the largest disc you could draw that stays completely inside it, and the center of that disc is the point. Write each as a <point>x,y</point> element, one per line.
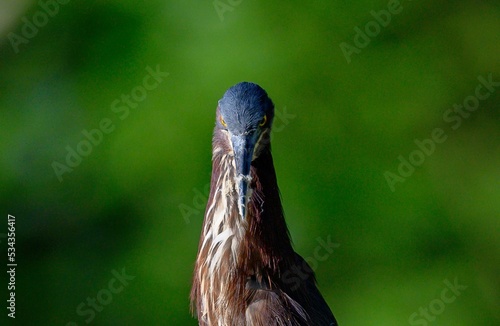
<point>342,126</point>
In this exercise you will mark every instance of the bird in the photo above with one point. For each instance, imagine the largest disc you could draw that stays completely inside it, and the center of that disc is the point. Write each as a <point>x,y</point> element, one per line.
<point>246,271</point>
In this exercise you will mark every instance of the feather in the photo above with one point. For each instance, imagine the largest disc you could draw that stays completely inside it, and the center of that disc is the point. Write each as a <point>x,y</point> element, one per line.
<point>246,269</point>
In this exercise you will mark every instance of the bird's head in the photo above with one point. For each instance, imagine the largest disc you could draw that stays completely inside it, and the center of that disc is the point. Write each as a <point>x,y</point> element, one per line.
<point>245,115</point>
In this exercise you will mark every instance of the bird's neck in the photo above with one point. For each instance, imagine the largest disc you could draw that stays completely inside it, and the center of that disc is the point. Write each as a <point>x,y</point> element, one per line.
<point>267,228</point>
<point>262,238</point>
<point>233,250</point>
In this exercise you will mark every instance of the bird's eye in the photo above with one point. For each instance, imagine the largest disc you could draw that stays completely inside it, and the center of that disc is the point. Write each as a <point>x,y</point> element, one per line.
<point>263,121</point>
<point>222,121</point>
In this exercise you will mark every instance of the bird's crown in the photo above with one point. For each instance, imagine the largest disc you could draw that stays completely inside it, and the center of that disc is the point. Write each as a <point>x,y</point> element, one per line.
<point>245,107</point>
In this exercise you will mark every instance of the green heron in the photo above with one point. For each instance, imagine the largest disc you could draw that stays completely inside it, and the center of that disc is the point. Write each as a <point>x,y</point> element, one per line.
<point>243,271</point>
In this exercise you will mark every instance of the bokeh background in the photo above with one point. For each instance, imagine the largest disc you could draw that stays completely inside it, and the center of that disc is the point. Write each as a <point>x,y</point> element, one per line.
<point>136,201</point>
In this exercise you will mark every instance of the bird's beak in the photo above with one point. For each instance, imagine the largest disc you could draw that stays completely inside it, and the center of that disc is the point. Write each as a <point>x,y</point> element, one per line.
<point>243,147</point>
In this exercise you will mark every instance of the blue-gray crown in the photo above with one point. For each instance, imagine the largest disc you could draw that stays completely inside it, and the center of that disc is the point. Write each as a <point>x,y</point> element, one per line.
<point>243,107</point>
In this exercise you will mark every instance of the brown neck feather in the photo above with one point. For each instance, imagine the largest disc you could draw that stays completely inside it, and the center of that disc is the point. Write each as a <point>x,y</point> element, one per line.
<point>259,247</point>
<point>267,232</point>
